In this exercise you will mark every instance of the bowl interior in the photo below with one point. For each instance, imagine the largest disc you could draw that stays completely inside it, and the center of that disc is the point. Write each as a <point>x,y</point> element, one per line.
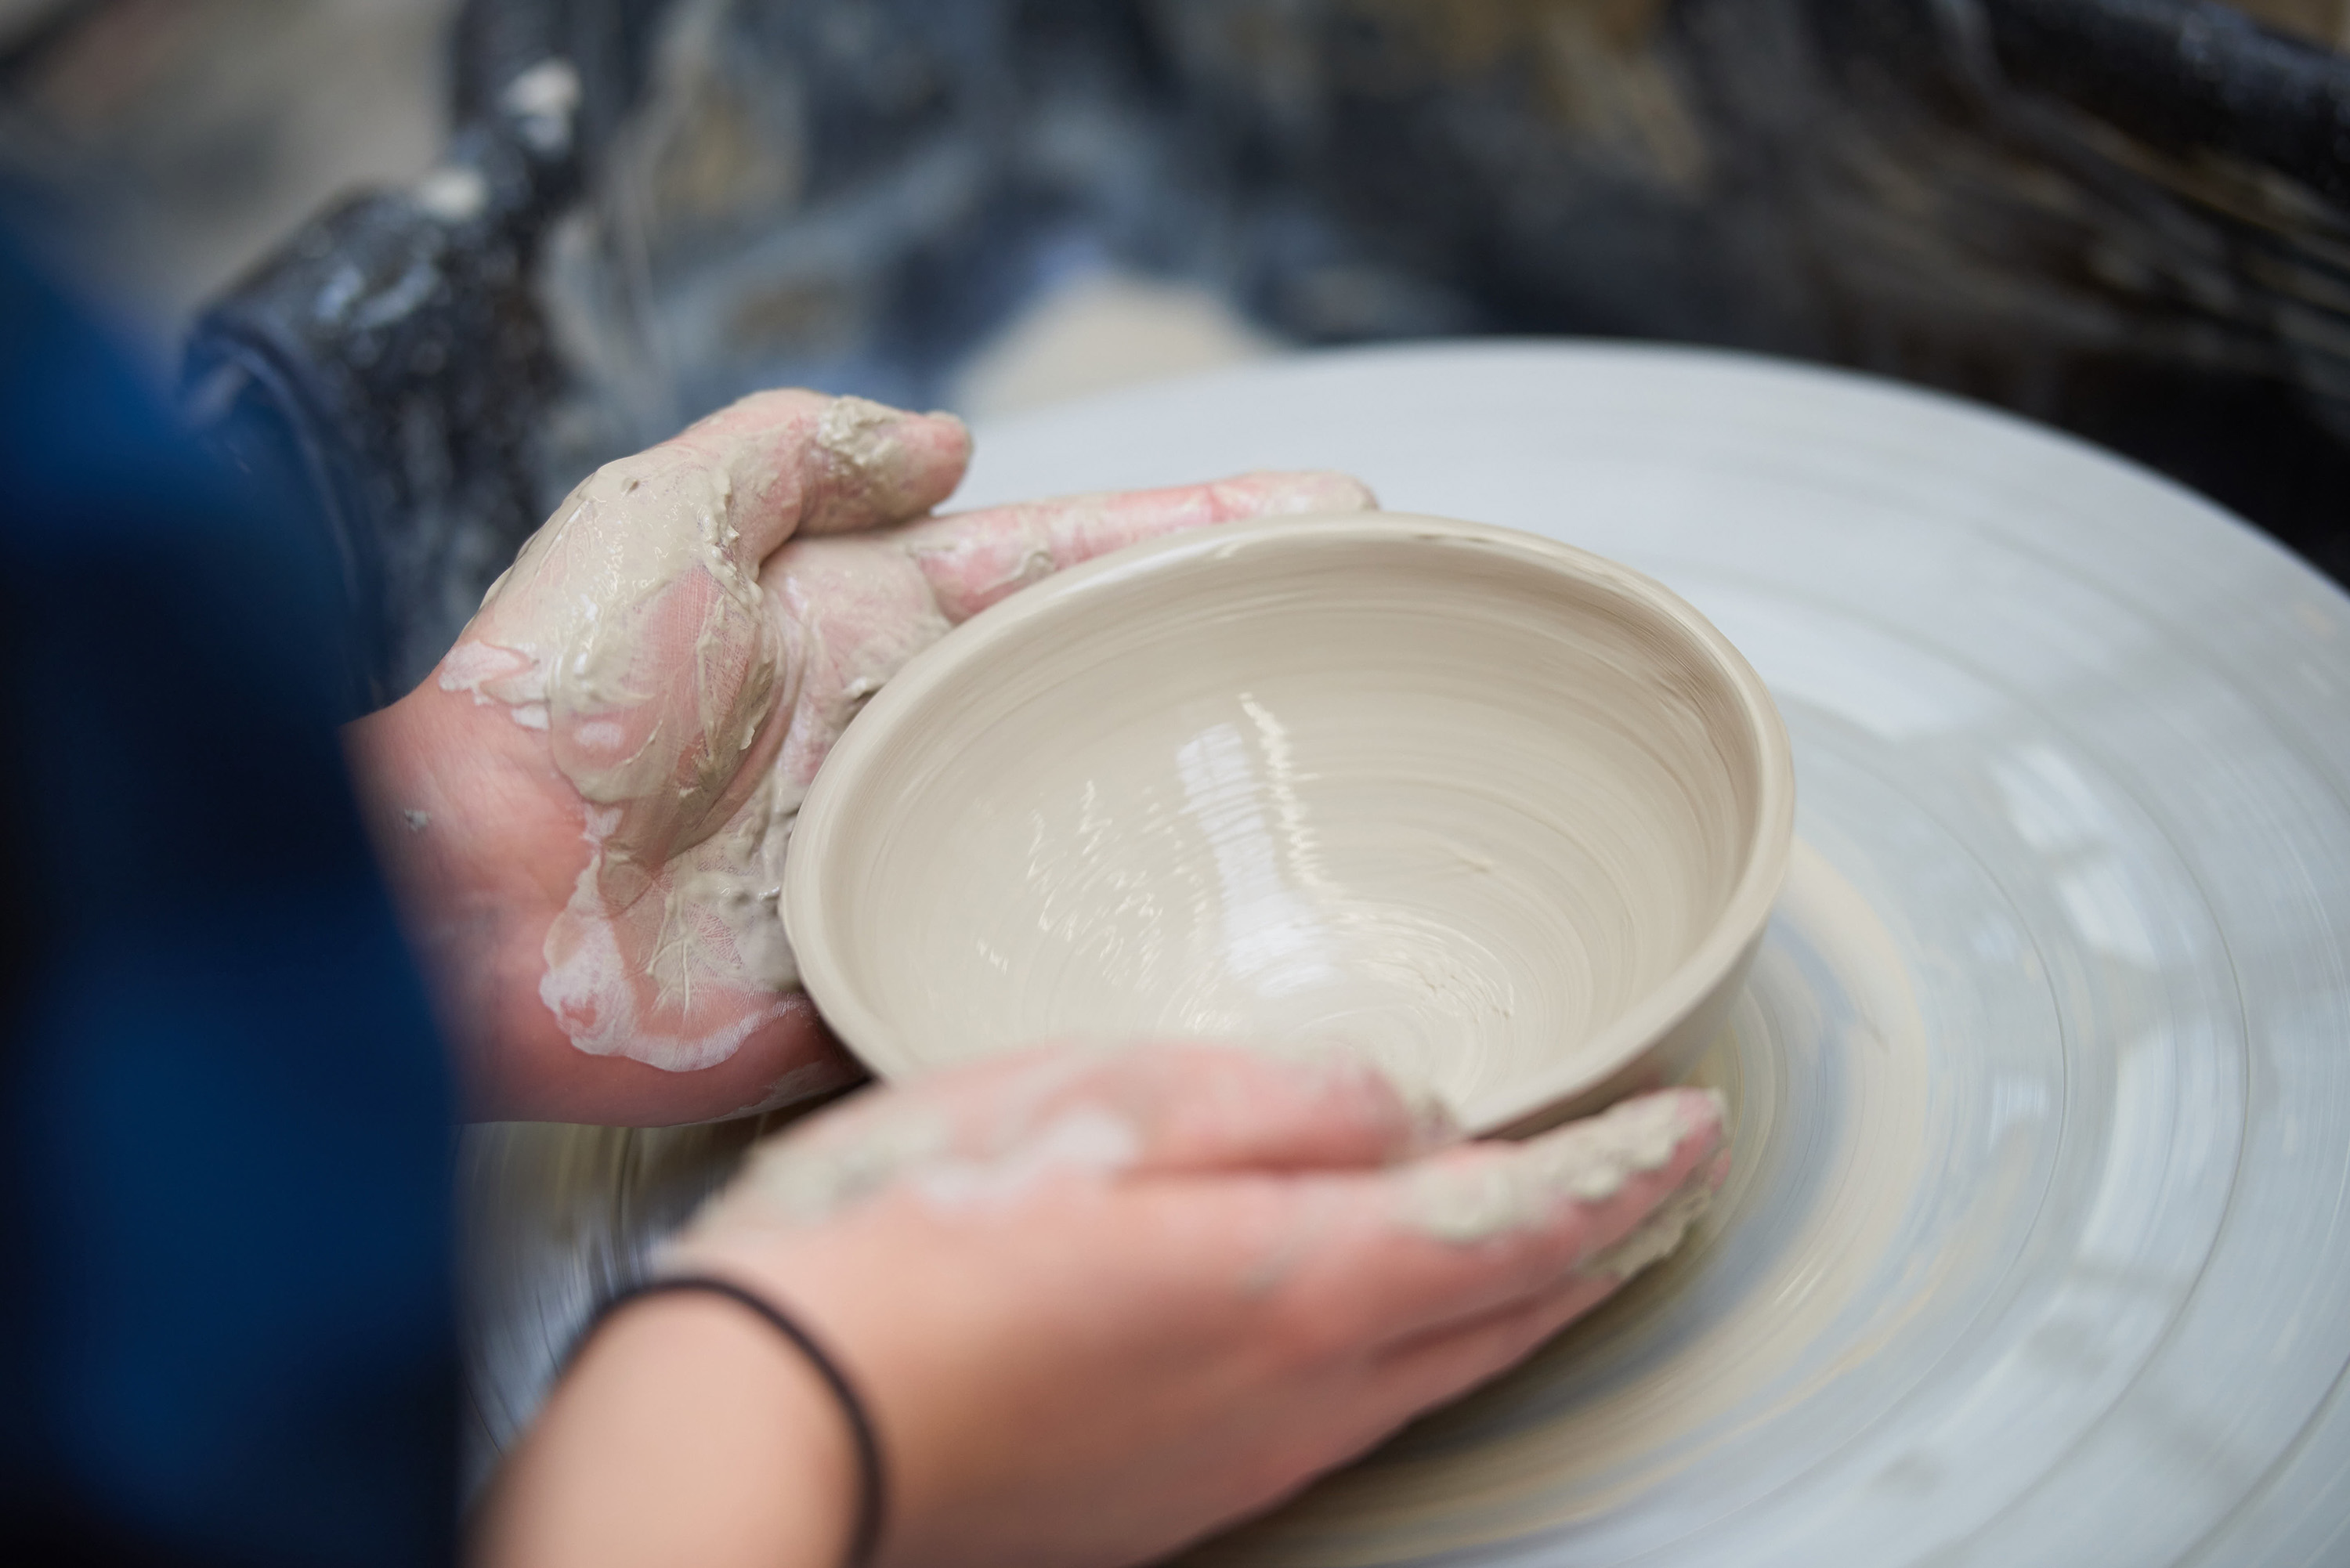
<point>1464,799</point>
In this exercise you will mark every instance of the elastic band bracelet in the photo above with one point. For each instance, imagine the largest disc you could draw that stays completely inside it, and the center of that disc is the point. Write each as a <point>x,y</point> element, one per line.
<point>870,1490</point>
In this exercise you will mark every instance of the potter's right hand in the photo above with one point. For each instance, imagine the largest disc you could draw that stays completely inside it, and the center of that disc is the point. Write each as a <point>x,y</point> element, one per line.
<point>1098,1304</point>
<point>586,811</point>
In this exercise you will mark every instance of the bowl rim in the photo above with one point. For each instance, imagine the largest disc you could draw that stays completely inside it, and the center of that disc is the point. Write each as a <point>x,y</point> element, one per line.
<point>838,794</point>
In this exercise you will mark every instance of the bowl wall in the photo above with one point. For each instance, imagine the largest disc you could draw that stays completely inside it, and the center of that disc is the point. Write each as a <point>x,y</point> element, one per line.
<point>1504,815</point>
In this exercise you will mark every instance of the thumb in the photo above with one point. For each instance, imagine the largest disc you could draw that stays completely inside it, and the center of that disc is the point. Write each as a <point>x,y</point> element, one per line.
<point>801,463</point>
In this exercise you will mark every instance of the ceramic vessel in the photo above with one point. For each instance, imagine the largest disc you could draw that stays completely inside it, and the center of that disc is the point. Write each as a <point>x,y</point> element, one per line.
<point>1503,815</point>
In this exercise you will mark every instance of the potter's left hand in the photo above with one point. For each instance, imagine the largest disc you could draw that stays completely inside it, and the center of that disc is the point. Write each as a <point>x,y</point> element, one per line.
<point>584,809</point>
<point>1095,1303</point>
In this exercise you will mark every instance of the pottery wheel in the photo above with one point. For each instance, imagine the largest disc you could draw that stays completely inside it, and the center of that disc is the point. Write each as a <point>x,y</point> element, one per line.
<point>2037,1245</point>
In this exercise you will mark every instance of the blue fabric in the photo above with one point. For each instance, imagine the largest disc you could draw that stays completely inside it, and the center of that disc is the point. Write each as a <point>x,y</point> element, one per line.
<point>226,1335</point>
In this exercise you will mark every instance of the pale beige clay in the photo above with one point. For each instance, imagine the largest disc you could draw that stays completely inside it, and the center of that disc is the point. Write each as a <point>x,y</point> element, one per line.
<point>1500,814</point>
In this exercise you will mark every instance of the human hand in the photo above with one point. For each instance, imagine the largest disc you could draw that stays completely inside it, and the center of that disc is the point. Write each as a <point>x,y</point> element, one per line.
<point>585,811</point>
<point>1097,1304</point>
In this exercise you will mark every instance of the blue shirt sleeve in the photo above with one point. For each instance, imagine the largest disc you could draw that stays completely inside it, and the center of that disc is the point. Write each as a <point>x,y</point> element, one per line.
<point>226,1335</point>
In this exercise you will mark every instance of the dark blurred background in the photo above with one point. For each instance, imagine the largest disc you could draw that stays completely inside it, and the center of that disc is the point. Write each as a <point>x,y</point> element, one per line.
<point>583,222</point>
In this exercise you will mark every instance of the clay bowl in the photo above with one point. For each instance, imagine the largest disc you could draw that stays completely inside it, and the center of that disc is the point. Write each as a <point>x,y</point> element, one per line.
<point>1505,816</point>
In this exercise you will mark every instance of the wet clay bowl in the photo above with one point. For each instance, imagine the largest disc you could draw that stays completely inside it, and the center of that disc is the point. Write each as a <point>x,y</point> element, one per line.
<point>1505,816</point>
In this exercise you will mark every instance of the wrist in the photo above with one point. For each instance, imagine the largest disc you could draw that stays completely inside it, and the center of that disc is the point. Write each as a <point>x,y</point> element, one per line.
<point>688,1430</point>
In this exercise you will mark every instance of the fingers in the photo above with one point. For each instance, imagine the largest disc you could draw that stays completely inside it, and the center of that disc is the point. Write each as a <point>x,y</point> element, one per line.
<point>854,611</point>
<point>1440,1366</point>
<point>1000,1130</point>
<point>860,607</point>
<point>1208,1107</point>
<point>974,559</point>
<point>1142,1109</point>
<point>1197,1107</point>
<point>800,462</point>
<point>1486,1228</point>
<point>633,625</point>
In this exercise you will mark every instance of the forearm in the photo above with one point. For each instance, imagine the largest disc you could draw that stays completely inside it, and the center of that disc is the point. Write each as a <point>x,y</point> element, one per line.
<point>689,1432</point>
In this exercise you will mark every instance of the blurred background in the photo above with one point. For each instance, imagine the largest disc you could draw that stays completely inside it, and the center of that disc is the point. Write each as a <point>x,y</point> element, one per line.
<point>433,260</point>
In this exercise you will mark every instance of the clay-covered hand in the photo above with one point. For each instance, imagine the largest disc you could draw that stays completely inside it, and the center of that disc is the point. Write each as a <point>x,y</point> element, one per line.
<point>1097,1306</point>
<point>585,810</point>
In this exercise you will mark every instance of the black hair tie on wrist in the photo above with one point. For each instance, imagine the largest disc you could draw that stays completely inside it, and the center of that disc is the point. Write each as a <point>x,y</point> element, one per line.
<point>866,1535</point>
